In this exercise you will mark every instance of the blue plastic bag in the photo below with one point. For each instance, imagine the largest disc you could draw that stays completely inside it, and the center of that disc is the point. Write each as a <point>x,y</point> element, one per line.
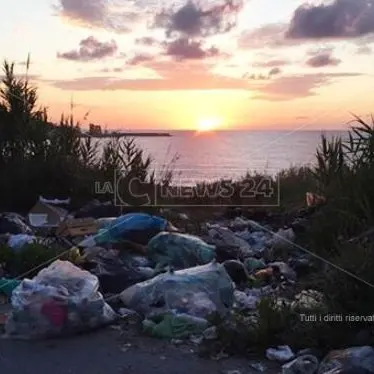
<point>135,227</point>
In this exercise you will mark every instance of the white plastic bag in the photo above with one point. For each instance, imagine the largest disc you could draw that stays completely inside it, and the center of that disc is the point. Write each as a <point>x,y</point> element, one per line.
<point>61,300</point>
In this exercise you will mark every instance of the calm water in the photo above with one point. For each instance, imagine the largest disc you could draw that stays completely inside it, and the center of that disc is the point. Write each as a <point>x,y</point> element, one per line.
<point>210,156</point>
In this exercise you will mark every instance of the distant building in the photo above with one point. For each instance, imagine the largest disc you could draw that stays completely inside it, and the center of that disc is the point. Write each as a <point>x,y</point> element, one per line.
<point>94,129</point>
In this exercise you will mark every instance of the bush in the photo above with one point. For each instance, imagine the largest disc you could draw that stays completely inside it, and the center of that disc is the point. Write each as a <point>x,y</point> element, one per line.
<point>52,159</point>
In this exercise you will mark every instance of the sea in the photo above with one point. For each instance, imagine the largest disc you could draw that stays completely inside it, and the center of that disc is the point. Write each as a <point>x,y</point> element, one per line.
<point>207,156</point>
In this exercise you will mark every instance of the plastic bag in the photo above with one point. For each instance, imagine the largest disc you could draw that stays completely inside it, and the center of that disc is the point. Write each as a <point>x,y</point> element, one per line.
<point>115,275</point>
<point>197,291</point>
<point>174,325</point>
<point>222,236</point>
<point>179,250</point>
<point>60,300</point>
<point>355,359</point>
<point>282,353</point>
<point>283,239</point>
<point>135,227</point>
<point>18,241</point>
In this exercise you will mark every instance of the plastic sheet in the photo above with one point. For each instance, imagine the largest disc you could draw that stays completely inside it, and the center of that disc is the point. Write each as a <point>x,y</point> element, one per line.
<point>197,291</point>
<point>180,251</point>
<point>60,300</point>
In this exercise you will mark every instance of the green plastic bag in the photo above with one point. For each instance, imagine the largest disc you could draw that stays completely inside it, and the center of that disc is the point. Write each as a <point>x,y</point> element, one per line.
<point>174,326</point>
<point>8,285</point>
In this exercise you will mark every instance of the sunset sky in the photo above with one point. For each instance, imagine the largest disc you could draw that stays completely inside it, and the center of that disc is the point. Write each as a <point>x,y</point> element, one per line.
<point>147,64</point>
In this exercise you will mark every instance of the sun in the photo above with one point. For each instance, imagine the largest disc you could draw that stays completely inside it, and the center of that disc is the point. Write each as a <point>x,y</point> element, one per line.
<point>208,124</point>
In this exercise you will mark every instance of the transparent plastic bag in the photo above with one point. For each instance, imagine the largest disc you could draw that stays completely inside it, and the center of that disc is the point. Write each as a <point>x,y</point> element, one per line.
<point>197,291</point>
<point>61,300</point>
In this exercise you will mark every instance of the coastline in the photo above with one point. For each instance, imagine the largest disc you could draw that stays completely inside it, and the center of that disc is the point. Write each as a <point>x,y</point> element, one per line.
<point>127,134</point>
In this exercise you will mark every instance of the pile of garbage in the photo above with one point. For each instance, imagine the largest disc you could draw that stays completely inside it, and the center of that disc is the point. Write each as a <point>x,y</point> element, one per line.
<point>174,281</point>
<point>167,276</point>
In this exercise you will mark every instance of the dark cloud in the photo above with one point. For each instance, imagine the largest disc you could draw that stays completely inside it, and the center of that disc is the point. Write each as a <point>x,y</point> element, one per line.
<point>255,77</point>
<point>274,71</point>
<point>106,14</point>
<point>271,63</point>
<point>90,49</point>
<point>111,70</point>
<point>147,41</point>
<point>364,50</point>
<point>338,19</point>
<point>322,59</point>
<point>184,49</point>
<point>196,20</point>
<point>262,77</point>
<point>139,59</point>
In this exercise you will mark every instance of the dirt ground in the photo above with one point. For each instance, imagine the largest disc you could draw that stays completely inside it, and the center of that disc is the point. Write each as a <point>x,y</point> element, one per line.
<point>107,352</point>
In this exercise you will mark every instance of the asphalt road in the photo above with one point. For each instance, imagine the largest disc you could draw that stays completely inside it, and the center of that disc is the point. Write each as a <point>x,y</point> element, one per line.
<point>106,352</point>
